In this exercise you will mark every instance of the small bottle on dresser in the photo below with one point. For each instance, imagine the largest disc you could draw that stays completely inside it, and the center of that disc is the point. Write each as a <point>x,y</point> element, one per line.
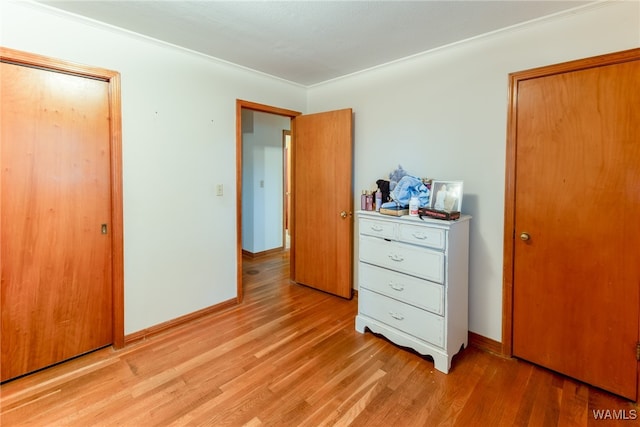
<point>414,205</point>
<point>369,204</point>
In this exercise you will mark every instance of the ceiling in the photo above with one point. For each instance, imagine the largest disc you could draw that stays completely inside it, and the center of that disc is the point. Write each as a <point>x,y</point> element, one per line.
<point>309,42</point>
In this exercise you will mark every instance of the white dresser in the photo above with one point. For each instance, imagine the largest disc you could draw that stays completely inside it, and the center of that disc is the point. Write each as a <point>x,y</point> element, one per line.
<point>413,282</point>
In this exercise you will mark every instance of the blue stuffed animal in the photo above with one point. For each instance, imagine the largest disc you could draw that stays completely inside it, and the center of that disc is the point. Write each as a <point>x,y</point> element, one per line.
<point>395,177</point>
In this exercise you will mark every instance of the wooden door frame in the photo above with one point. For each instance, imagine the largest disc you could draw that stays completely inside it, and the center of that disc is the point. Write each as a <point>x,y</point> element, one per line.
<point>240,104</point>
<point>112,78</point>
<point>510,176</point>
<point>286,183</point>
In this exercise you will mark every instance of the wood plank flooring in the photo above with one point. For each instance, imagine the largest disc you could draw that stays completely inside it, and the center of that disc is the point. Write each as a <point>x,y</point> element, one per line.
<point>290,356</point>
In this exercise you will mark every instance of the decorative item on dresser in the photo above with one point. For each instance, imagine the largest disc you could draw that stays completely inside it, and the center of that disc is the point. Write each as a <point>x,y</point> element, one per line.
<point>413,283</point>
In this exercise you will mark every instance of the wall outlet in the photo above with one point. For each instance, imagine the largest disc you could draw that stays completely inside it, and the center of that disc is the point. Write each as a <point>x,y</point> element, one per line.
<point>219,190</point>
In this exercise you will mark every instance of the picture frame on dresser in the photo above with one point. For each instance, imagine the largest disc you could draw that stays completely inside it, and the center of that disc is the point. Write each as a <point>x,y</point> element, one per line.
<point>446,195</point>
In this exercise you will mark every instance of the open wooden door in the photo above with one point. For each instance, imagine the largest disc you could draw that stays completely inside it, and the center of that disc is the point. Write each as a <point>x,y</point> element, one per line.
<point>322,220</point>
<point>572,240</point>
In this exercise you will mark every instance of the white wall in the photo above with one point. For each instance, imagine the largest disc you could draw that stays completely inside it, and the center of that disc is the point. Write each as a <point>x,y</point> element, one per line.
<point>263,181</point>
<point>178,144</point>
<point>444,115</point>
<point>441,114</point>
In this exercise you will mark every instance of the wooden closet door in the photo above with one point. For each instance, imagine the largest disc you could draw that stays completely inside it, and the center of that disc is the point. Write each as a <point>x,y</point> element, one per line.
<point>576,274</point>
<point>56,253</point>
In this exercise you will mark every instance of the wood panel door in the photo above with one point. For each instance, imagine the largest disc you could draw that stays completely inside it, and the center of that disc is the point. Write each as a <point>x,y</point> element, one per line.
<point>576,234</point>
<point>322,220</point>
<point>56,217</point>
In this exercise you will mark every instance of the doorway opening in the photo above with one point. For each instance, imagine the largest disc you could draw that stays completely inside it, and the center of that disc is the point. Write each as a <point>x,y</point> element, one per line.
<point>258,154</point>
<point>263,182</point>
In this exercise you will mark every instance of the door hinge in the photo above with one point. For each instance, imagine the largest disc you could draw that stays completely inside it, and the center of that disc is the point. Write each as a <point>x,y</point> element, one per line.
<point>638,351</point>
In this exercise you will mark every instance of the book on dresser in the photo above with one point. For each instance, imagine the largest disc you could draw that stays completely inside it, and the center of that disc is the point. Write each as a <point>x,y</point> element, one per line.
<point>413,282</point>
<point>433,213</point>
<point>395,211</point>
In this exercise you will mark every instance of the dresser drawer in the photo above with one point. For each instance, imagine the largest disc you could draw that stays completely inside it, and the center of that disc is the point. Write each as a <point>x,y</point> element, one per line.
<point>404,317</point>
<point>418,292</point>
<point>424,236</point>
<point>386,230</point>
<point>419,262</point>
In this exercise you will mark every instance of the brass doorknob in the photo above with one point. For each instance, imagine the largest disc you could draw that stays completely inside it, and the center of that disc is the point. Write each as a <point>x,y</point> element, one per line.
<point>343,214</point>
<point>525,236</point>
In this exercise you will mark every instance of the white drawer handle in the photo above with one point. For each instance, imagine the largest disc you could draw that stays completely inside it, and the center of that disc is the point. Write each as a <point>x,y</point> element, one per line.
<point>376,227</point>
<point>420,236</point>
<point>396,258</point>
<point>396,316</point>
<point>396,287</point>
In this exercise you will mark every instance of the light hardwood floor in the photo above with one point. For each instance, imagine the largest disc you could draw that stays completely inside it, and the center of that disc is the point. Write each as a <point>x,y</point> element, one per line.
<point>289,356</point>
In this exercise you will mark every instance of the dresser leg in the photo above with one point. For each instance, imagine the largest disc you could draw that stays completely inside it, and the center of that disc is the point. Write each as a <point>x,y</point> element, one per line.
<point>441,363</point>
